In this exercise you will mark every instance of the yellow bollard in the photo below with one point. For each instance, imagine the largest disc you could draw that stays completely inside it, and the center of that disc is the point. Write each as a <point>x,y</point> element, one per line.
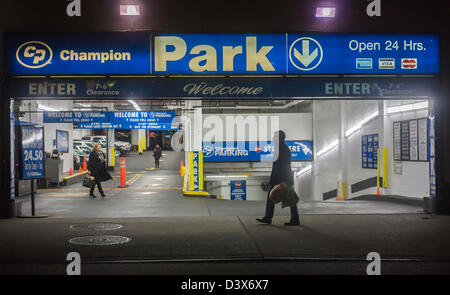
<point>385,167</point>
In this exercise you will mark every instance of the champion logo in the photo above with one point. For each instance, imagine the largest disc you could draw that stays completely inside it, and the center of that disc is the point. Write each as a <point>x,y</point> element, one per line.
<point>409,63</point>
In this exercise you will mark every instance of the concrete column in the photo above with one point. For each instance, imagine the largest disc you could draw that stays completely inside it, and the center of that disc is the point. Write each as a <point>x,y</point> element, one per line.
<point>385,137</point>
<point>342,178</point>
<point>315,164</point>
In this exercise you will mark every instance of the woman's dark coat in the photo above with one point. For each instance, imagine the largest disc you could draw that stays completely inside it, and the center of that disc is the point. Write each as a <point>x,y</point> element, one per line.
<point>281,168</point>
<point>157,153</point>
<point>97,168</point>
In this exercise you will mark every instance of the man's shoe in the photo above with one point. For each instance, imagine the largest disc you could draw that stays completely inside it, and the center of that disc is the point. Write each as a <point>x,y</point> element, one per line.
<point>92,196</point>
<point>292,223</point>
<point>103,196</point>
<point>264,220</point>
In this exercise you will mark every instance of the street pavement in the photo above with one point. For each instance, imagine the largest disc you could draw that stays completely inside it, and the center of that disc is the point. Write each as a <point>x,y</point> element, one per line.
<point>323,244</point>
<point>173,234</point>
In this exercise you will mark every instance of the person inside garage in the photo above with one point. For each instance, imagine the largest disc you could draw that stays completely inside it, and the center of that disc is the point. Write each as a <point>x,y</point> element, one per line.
<point>97,169</point>
<point>157,153</point>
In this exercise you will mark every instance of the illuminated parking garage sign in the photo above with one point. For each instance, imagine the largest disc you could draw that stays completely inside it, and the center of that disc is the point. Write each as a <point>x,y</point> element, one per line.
<point>166,54</point>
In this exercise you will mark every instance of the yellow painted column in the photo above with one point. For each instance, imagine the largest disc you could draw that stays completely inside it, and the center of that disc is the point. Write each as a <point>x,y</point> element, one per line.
<point>113,159</point>
<point>191,170</point>
<point>378,168</point>
<point>385,167</point>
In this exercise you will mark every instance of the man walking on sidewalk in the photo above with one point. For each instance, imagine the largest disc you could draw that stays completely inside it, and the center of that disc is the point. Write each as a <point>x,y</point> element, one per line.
<point>281,172</point>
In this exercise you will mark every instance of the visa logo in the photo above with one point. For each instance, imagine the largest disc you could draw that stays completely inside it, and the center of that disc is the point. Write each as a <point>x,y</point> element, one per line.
<point>219,53</point>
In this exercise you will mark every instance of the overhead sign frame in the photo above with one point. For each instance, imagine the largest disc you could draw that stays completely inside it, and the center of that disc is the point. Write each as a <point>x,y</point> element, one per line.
<point>224,88</point>
<point>148,53</point>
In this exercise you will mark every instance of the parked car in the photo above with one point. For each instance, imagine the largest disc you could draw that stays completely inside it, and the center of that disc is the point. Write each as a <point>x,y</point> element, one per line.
<point>94,138</point>
<point>125,145</point>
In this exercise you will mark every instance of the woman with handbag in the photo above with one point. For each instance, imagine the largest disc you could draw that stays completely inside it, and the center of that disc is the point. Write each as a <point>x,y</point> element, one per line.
<point>281,180</point>
<point>97,169</point>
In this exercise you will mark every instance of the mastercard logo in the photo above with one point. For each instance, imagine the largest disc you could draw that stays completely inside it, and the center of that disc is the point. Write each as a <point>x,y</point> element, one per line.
<point>409,63</point>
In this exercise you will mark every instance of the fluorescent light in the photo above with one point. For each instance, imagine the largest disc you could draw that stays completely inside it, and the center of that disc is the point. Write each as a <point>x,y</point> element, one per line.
<point>129,10</point>
<point>225,176</point>
<point>328,148</point>
<point>358,126</point>
<point>135,105</point>
<point>46,108</point>
<point>84,105</point>
<point>304,170</point>
<point>325,12</point>
<point>408,107</point>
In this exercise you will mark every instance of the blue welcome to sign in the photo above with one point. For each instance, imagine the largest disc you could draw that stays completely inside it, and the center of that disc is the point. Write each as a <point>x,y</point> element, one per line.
<point>154,120</point>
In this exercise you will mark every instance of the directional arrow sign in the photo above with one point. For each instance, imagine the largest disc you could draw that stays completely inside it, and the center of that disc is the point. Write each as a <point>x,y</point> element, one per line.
<point>306,58</point>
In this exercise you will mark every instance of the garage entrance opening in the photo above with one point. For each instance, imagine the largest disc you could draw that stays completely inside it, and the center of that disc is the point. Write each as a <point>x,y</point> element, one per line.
<point>348,156</point>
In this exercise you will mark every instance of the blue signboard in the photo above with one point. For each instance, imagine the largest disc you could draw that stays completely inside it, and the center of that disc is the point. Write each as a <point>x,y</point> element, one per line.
<point>32,149</point>
<point>364,151</point>
<point>58,117</point>
<point>219,53</point>
<point>238,190</point>
<point>154,120</point>
<point>363,54</point>
<point>304,54</point>
<point>130,53</point>
<point>196,170</point>
<point>78,53</point>
<point>253,151</point>
<point>230,88</point>
<point>369,154</point>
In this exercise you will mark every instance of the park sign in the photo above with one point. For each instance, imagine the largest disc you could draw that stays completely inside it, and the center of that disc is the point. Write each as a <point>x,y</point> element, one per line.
<point>143,53</point>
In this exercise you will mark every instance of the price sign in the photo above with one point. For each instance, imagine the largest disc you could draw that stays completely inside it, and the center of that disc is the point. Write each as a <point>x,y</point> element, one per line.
<point>32,150</point>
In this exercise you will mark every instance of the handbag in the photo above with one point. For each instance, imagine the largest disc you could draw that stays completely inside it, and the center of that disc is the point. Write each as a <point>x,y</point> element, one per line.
<point>278,193</point>
<point>88,181</point>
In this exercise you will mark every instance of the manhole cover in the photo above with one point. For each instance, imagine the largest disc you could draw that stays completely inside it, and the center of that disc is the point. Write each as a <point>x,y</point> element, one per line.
<point>99,240</point>
<point>96,226</point>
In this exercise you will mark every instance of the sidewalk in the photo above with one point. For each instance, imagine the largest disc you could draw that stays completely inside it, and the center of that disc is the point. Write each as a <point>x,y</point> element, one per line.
<point>407,243</point>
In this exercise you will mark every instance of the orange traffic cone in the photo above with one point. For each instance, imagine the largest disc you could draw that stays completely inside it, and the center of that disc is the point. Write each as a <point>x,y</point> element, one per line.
<point>80,170</point>
<point>378,191</point>
<point>70,172</point>
<point>181,167</point>
<point>84,164</point>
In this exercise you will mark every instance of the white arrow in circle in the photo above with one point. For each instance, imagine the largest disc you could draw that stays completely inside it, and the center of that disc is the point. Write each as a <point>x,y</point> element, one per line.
<point>306,58</point>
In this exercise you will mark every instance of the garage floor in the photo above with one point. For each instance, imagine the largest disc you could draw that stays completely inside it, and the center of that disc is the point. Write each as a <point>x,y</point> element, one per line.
<point>158,193</point>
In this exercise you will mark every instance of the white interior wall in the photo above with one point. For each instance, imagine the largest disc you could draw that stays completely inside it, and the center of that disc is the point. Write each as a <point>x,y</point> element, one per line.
<point>221,188</point>
<point>414,181</point>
